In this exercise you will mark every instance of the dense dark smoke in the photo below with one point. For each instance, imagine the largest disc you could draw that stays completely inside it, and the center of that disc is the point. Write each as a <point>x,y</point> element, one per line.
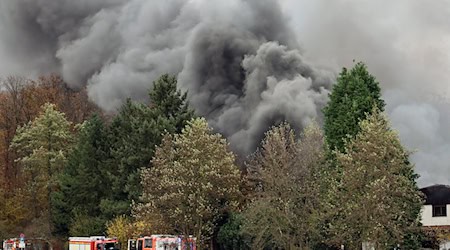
<point>238,59</point>
<point>406,44</point>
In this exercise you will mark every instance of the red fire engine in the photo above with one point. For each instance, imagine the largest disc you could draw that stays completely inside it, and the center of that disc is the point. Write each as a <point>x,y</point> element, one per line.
<point>28,244</point>
<point>162,242</point>
<point>10,244</point>
<point>93,243</point>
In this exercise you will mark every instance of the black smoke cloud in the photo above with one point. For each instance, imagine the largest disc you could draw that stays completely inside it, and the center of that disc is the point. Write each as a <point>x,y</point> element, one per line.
<point>238,59</point>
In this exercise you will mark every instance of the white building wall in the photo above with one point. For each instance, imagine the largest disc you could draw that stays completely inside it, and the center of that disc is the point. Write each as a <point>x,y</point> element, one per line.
<point>429,220</point>
<point>444,245</point>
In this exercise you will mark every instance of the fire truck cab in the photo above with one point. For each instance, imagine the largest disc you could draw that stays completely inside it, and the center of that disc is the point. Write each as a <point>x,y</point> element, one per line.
<point>10,244</point>
<point>161,242</point>
<point>93,243</point>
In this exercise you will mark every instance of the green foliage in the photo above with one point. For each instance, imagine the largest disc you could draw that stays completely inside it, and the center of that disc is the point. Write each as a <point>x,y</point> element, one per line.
<point>43,145</point>
<point>230,235</point>
<point>376,197</point>
<point>352,98</point>
<point>167,101</point>
<point>82,183</point>
<point>133,136</point>
<point>83,224</point>
<point>192,184</point>
<point>61,211</point>
<point>43,142</point>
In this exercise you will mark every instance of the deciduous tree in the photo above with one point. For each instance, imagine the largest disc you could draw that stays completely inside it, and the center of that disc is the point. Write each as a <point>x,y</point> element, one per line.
<point>285,174</point>
<point>192,183</point>
<point>124,228</point>
<point>13,108</point>
<point>376,197</point>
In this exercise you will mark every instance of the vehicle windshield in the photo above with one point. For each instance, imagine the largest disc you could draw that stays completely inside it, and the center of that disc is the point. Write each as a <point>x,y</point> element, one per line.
<point>112,246</point>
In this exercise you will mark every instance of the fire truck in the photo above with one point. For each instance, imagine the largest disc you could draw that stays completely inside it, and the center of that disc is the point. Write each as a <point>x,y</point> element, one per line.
<point>10,244</point>
<point>28,244</point>
<point>162,242</point>
<point>93,243</point>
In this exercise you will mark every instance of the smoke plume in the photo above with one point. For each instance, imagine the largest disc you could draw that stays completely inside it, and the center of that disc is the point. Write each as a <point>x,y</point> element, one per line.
<point>406,45</point>
<point>239,60</point>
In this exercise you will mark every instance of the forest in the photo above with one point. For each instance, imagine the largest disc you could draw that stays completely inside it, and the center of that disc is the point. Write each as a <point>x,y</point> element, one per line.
<point>71,169</point>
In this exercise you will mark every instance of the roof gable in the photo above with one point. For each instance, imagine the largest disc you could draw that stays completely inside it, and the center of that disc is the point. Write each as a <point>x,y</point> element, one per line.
<point>436,194</point>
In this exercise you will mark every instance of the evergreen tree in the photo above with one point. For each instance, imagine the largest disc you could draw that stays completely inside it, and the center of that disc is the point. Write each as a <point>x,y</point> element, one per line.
<point>134,134</point>
<point>169,102</point>
<point>83,182</point>
<point>230,235</point>
<point>43,145</point>
<point>376,195</point>
<point>351,100</point>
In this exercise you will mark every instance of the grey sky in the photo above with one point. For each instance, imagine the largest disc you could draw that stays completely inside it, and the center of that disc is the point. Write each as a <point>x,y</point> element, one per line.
<point>406,44</point>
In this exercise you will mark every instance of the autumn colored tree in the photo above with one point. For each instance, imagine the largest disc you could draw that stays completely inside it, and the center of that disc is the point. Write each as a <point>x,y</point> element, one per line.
<point>124,228</point>
<point>376,195</point>
<point>192,183</point>
<point>42,146</point>
<point>20,102</point>
<point>75,104</point>
<point>13,108</point>
<point>285,176</point>
<point>14,215</point>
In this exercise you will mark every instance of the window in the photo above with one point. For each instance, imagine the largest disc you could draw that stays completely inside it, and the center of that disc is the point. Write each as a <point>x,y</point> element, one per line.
<point>139,245</point>
<point>148,243</point>
<point>131,244</point>
<point>439,210</point>
<point>110,246</point>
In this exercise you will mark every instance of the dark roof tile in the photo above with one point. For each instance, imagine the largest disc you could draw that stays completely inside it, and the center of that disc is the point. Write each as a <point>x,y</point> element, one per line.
<point>437,194</point>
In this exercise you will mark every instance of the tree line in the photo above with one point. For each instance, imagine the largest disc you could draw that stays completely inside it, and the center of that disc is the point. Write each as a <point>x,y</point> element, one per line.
<point>157,167</point>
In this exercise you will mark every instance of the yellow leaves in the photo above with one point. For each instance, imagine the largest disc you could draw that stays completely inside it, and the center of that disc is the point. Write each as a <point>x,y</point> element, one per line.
<point>120,227</point>
<point>125,228</point>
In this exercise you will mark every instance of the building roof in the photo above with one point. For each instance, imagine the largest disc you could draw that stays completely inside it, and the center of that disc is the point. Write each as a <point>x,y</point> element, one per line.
<point>436,194</point>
